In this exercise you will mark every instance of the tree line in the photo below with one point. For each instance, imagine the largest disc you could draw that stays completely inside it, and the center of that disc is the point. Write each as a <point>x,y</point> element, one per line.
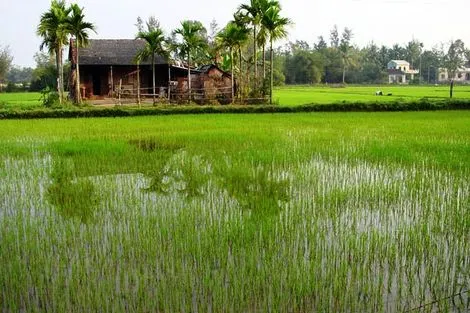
<point>244,47</point>
<point>336,60</point>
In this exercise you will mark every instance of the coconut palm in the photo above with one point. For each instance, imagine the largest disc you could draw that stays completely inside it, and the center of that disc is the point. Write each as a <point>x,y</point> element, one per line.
<point>78,28</point>
<point>155,44</point>
<point>276,28</point>
<point>52,29</point>
<point>191,33</point>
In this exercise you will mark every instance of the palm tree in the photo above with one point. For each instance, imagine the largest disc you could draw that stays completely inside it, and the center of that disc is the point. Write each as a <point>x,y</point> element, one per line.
<point>232,36</point>
<point>192,40</point>
<point>276,28</point>
<point>52,28</point>
<point>155,44</point>
<point>253,14</point>
<point>243,35</point>
<point>78,28</point>
<point>262,37</point>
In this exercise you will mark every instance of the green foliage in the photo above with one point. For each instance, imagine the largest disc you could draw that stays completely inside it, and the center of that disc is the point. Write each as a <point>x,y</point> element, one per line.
<point>45,73</point>
<point>49,98</point>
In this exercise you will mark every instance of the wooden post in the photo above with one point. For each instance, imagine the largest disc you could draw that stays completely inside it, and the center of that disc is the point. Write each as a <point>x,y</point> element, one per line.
<point>138,84</point>
<point>169,81</point>
<point>112,82</point>
<point>120,88</point>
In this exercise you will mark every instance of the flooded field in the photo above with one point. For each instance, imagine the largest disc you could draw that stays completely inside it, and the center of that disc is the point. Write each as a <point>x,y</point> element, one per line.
<point>282,213</point>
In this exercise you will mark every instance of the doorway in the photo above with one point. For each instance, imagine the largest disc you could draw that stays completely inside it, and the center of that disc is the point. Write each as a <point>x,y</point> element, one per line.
<point>96,85</point>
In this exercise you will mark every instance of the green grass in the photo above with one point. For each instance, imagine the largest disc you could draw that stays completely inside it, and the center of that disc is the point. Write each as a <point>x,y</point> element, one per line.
<point>321,212</point>
<point>297,95</point>
<point>24,100</point>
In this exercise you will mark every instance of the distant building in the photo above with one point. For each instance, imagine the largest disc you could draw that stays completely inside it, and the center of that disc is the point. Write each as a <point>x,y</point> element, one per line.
<point>400,72</point>
<point>462,75</point>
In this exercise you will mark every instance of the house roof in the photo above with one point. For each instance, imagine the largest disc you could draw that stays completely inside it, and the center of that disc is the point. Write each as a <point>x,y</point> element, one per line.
<point>113,52</point>
<point>400,62</point>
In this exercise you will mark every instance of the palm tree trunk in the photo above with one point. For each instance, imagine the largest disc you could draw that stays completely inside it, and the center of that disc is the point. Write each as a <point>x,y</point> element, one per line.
<point>271,84</point>
<point>231,65</point>
<point>78,97</point>
<point>61,76</point>
<point>240,89</point>
<point>189,77</point>
<point>169,82</point>
<point>344,75</point>
<point>138,83</point>
<point>58,61</point>
<point>153,78</point>
<point>264,62</point>
<point>255,58</point>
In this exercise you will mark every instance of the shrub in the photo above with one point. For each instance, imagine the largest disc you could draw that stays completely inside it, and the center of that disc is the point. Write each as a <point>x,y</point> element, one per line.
<point>49,97</point>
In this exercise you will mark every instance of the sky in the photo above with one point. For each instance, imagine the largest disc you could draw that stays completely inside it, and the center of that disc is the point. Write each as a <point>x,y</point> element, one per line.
<point>433,22</point>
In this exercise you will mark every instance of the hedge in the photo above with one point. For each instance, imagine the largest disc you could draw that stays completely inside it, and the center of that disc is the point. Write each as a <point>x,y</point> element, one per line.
<point>118,111</point>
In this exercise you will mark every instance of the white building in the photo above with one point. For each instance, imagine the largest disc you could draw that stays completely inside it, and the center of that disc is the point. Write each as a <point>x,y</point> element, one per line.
<point>400,71</point>
<point>461,76</point>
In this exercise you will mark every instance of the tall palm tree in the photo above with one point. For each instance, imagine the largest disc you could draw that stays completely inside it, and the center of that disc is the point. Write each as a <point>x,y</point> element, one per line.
<point>52,29</point>
<point>155,44</point>
<point>232,36</point>
<point>192,40</point>
<point>253,12</point>
<point>262,37</point>
<point>244,32</point>
<point>78,28</point>
<point>276,28</point>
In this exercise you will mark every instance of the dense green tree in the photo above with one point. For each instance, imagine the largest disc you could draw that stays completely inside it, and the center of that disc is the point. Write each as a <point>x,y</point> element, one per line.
<point>453,60</point>
<point>18,74</point>
<point>413,52</point>
<point>430,64</point>
<point>78,28</point>
<point>303,67</point>
<point>155,44</point>
<point>45,72</point>
<point>53,30</point>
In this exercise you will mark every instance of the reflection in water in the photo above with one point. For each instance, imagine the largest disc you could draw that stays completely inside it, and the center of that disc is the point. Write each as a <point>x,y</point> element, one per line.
<point>72,197</point>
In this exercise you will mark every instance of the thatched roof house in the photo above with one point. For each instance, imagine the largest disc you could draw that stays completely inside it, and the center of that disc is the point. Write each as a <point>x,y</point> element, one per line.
<point>106,64</point>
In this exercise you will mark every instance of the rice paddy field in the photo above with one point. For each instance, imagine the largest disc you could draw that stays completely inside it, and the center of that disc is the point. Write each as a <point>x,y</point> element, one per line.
<point>324,212</point>
<point>297,95</point>
<point>23,100</point>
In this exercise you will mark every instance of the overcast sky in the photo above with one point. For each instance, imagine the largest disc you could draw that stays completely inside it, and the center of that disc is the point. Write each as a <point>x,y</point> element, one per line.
<point>382,21</point>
